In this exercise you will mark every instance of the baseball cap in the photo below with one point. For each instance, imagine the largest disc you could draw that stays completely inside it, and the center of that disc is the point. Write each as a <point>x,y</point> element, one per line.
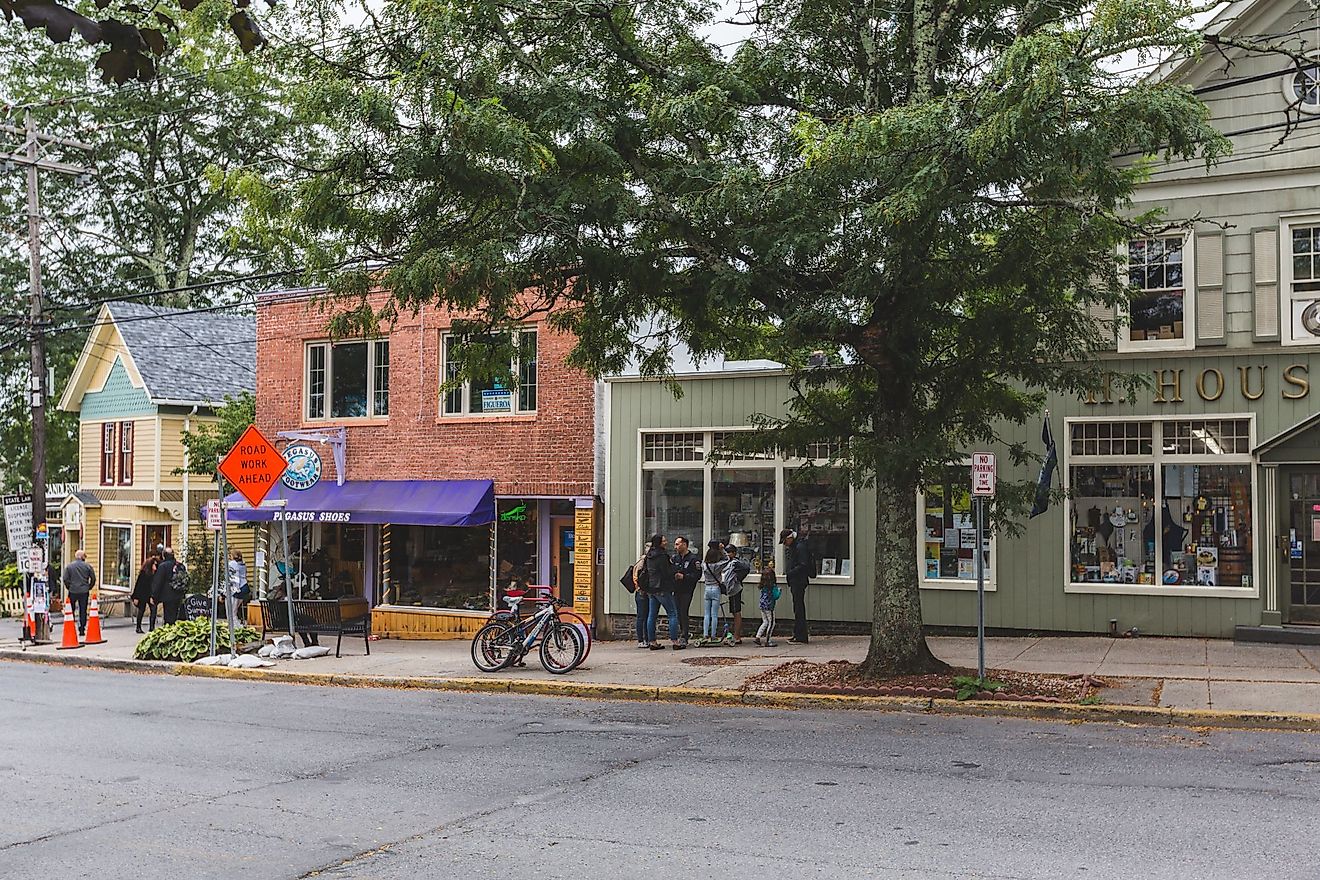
<point>786,533</point>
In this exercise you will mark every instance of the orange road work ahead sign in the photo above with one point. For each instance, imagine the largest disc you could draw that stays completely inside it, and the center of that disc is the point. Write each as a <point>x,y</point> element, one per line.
<point>253,466</point>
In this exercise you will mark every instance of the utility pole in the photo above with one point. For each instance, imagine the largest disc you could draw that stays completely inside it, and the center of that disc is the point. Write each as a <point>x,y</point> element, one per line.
<point>31,158</point>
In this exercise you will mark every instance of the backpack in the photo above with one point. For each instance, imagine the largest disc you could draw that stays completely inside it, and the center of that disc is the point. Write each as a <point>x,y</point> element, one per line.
<point>179,578</point>
<point>732,577</point>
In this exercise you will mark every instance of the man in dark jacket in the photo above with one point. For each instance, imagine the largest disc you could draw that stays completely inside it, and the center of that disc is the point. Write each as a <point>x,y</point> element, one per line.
<point>79,578</point>
<point>798,570</point>
<point>687,574</point>
<point>660,586</point>
<point>162,587</point>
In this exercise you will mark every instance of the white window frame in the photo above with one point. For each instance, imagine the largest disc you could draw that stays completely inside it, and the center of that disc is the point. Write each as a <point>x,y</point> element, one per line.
<point>1157,459</point>
<point>943,583</point>
<point>1288,88</point>
<point>1188,341</point>
<point>1287,336</point>
<point>515,366</point>
<point>329,347</point>
<point>128,527</point>
<point>777,464</point>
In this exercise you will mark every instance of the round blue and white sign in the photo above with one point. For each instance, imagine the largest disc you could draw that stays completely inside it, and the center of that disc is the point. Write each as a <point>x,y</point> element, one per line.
<point>304,468</point>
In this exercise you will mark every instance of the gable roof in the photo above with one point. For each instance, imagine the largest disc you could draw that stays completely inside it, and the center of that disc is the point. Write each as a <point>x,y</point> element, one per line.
<point>184,357</point>
<point>1231,18</point>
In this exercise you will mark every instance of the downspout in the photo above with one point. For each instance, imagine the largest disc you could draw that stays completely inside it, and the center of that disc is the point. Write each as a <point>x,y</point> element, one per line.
<point>187,469</point>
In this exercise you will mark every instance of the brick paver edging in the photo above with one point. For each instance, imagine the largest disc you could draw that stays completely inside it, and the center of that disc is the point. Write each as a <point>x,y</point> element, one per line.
<point>1150,716</point>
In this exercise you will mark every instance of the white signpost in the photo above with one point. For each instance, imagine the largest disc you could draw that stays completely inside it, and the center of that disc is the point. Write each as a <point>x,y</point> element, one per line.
<point>984,475</point>
<point>213,521</point>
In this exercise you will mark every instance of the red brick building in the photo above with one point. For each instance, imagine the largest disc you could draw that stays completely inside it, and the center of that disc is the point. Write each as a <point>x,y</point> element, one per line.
<point>407,449</point>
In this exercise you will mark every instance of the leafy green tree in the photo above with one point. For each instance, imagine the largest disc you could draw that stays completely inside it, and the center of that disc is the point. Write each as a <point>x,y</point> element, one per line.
<point>155,223</point>
<point>209,442</point>
<point>926,191</point>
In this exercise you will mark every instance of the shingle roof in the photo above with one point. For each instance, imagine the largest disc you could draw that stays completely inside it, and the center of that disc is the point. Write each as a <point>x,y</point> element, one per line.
<point>188,356</point>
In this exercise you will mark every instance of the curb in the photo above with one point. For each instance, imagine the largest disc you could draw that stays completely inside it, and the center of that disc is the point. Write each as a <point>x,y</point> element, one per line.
<point>1145,716</point>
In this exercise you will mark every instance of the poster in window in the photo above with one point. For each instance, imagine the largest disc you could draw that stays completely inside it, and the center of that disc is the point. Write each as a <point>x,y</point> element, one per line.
<point>827,566</point>
<point>845,567</point>
<point>497,400</point>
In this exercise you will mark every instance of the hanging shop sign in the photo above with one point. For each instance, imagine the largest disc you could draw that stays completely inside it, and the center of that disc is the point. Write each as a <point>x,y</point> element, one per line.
<point>303,469</point>
<point>253,466</point>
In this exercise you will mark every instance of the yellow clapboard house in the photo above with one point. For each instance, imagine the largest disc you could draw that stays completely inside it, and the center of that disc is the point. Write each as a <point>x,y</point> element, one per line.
<point>145,376</point>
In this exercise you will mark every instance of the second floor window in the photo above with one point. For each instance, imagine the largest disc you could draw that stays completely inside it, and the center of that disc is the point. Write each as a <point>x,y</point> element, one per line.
<point>109,451</point>
<point>125,453</point>
<point>347,380</point>
<point>1155,275</point>
<point>494,397</point>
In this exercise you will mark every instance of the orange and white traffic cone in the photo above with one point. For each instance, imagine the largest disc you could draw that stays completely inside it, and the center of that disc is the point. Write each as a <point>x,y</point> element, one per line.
<point>70,639</point>
<point>94,636</point>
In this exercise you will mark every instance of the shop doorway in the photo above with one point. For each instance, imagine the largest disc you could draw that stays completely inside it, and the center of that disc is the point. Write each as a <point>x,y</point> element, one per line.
<point>1304,548</point>
<point>153,537</point>
<point>564,542</point>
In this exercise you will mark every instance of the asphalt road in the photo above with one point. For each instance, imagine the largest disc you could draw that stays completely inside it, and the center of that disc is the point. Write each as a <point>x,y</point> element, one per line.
<point>114,775</point>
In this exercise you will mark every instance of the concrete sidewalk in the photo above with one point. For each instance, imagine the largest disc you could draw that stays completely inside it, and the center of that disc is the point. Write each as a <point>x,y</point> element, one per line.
<point>1145,671</point>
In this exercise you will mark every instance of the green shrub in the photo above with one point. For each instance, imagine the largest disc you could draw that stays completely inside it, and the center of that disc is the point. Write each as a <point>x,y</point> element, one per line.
<point>189,639</point>
<point>10,577</point>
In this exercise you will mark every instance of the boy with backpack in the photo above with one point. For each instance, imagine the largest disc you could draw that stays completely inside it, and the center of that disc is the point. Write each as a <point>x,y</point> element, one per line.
<point>735,572</point>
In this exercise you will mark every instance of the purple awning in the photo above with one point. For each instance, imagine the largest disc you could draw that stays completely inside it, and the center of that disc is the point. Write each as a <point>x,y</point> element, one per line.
<point>405,502</point>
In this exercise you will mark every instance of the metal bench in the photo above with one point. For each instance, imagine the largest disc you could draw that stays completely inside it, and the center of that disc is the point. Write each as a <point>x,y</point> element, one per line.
<point>319,617</point>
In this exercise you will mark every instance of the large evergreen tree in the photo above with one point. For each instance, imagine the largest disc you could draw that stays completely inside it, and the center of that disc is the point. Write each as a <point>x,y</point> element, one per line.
<point>925,190</point>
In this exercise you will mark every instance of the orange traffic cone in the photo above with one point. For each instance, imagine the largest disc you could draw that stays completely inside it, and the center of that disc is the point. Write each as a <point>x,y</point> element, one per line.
<point>70,639</point>
<point>94,636</point>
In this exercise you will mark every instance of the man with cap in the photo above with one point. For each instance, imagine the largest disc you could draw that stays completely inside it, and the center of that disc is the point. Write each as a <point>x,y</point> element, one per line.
<point>798,569</point>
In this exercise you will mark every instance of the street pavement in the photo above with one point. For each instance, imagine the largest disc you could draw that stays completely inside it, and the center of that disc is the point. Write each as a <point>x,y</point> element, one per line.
<point>114,775</point>
<point>1145,671</point>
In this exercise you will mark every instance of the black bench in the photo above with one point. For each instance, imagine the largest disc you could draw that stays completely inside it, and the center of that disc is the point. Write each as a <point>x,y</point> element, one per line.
<point>319,617</point>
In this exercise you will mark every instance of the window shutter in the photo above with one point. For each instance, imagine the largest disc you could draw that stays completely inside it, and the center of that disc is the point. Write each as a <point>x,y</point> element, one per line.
<point>1209,294</point>
<point>1106,316</point>
<point>1265,278</point>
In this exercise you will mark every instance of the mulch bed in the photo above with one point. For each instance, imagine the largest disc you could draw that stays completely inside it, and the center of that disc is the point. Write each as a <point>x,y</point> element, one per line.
<point>841,677</point>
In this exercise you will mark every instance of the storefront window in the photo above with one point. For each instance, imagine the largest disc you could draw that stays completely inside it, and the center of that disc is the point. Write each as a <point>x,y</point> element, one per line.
<point>949,531</point>
<point>1164,520</point>
<point>339,567</point>
<point>117,556</point>
<point>1113,520</point>
<point>672,504</point>
<point>821,510</point>
<point>436,567</point>
<point>516,540</point>
<point>1211,507</point>
<point>744,512</point>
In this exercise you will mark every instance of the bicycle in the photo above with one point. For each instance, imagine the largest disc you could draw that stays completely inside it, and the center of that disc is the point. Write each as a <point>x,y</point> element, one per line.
<point>514,598</point>
<point>501,643</point>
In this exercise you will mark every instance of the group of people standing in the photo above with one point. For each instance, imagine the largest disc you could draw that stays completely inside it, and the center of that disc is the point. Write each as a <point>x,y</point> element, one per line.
<point>161,585</point>
<point>661,579</point>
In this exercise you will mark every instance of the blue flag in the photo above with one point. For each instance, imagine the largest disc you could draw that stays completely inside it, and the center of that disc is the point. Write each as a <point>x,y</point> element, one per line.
<point>1046,470</point>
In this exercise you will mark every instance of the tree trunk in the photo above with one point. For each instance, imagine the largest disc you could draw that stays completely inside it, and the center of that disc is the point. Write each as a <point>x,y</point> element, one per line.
<point>898,639</point>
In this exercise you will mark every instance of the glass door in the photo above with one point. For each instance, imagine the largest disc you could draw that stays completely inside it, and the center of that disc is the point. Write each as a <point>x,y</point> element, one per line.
<point>561,560</point>
<point>1304,548</point>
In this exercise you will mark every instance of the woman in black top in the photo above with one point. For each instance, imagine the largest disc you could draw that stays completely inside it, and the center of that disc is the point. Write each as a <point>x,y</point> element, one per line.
<point>142,590</point>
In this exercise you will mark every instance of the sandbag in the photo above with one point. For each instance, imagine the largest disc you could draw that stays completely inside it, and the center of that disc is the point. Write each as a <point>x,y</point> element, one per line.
<point>310,652</point>
<point>247,661</point>
<point>266,651</point>
<point>216,660</point>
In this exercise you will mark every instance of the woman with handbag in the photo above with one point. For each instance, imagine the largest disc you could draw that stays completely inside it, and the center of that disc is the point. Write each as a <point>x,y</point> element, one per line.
<point>141,595</point>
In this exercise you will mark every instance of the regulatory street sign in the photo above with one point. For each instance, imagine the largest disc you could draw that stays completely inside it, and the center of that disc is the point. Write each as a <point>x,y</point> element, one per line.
<point>32,560</point>
<point>213,514</point>
<point>18,521</point>
<point>253,466</point>
<point>983,474</point>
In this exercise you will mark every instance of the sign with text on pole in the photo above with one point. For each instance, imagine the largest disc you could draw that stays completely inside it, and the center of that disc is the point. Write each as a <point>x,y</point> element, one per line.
<point>253,466</point>
<point>18,521</point>
<point>983,474</point>
<point>213,514</point>
<point>983,487</point>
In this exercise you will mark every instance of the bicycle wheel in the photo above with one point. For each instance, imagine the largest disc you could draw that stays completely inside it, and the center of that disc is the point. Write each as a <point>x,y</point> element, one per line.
<point>495,646</point>
<point>562,649</point>
<point>571,618</point>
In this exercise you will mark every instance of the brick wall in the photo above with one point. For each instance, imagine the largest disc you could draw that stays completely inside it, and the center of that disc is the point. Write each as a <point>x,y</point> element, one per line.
<point>549,453</point>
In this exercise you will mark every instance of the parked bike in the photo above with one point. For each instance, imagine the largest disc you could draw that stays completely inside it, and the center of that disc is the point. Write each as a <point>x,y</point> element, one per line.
<point>515,598</point>
<point>504,642</point>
